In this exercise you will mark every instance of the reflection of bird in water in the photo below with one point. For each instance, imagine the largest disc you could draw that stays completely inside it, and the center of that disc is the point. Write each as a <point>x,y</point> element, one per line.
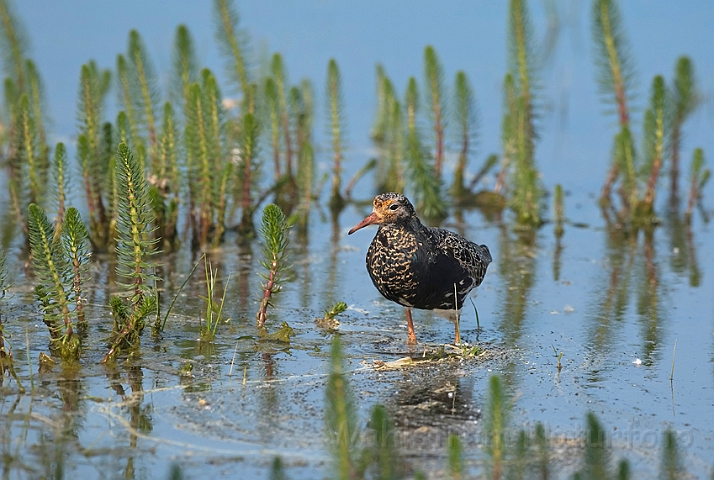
<point>418,266</point>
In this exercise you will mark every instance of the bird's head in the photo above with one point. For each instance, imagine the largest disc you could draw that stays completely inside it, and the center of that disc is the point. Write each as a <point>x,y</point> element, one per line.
<point>388,208</point>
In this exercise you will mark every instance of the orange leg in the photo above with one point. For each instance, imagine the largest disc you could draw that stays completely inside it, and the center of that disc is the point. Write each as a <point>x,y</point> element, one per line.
<point>410,328</point>
<point>458,332</point>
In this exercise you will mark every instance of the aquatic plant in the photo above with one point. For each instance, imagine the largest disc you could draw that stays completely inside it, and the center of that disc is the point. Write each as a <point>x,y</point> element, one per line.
<point>249,167</point>
<point>59,180</point>
<point>670,462</point>
<point>685,100</point>
<point>656,131</point>
<point>273,114</point>
<point>208,168</point>
<point>465,125</point>
<point>277,69</point>
<point>305,180</point>
<point>496,423</point>
<point>75,239</point>
<point>214,308</point>
<point>6,359</point>
<point>559,210</point>
<point>542,450</point>
<point>59,278</point>
<point>165,183</point>
<point>144,92</point>
<point>335,310</point>
<point>340,415</point>
<point>135,246</point>
<point>185,68</point>
<point>379,127</point>
<point>699,176</point>
<point>277,470</point>
<point>615,76</point>
<point>94,85</point>
<point>14,43</point>
<point>233,46</point>
<point>519,128</point>
<point>425,184</point>
<point>37,102</point>
<point>436,103</point>
<point>596,457</point>
<point>274,234</point>
<point>129,126</point>
<point>455,457</point>
<point>380,454</point>
<point>336,127</point>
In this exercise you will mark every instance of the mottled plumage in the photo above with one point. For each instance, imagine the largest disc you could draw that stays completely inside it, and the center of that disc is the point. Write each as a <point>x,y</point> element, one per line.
<point>419,266</point>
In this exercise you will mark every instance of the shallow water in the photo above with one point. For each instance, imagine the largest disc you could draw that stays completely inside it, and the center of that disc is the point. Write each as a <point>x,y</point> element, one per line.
<point>613,307</point>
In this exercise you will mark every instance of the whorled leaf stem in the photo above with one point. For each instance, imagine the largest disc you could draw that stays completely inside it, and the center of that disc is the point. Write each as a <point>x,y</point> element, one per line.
<point>53,266</point>
<point>135,245</point>
<point>274,234</point>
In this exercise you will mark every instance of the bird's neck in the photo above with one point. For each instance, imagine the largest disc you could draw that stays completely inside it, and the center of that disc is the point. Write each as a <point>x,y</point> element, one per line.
<point>409,224</point>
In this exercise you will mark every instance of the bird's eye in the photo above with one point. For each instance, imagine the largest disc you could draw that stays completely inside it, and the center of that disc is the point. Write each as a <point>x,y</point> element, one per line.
<point>393,206</point>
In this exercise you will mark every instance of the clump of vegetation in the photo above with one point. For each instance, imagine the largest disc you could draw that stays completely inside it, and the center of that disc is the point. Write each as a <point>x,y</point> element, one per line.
<point>427,185</point>
<point>274,233</point>
<point>6,359</point>
<point>60,265</point>
<point>519,132</point>
<point>340,416</point>
<point>638,172</point>
<point>685,100</point>
<point>559,211</point>
<point>135,246</point>
<point>699,177</point>
<point>214,307</point>
<point>436,101</point>
<point>336,116</point>
<point>615,80</point>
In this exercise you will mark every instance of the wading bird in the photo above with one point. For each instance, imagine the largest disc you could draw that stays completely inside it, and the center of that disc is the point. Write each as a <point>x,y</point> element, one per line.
<point>419,266</point>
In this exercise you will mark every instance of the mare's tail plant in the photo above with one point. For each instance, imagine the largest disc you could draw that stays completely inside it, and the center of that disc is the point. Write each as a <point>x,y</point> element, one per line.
<point>135,245</point>
<point>92,91</point>
<point>699,177</point>
<point>146,98</point>
<point>305,179</point>
<point>596,458</point>
<point>686,98</point>
<point>615,75</point>
<point>185,68</point>
<point>75,240</point>
<point>497,413</point>
<point>54,268</point>
<point>455,454</point>
<point>59,180</point>
<point>436,100</point>
<point>465,124</point>
<point>336,116</point>
<point>526,189</point>
<point>249,171</point>
<point>671,464</point>
<point>6,363</point>
<point>274,232</point>
<point>164,188</point>
<point>425,183</point>
<point>232,42</point>
<point>559,209</point>
<point>656,129</point>
<point>381,456</point>
<point>340,415</point>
